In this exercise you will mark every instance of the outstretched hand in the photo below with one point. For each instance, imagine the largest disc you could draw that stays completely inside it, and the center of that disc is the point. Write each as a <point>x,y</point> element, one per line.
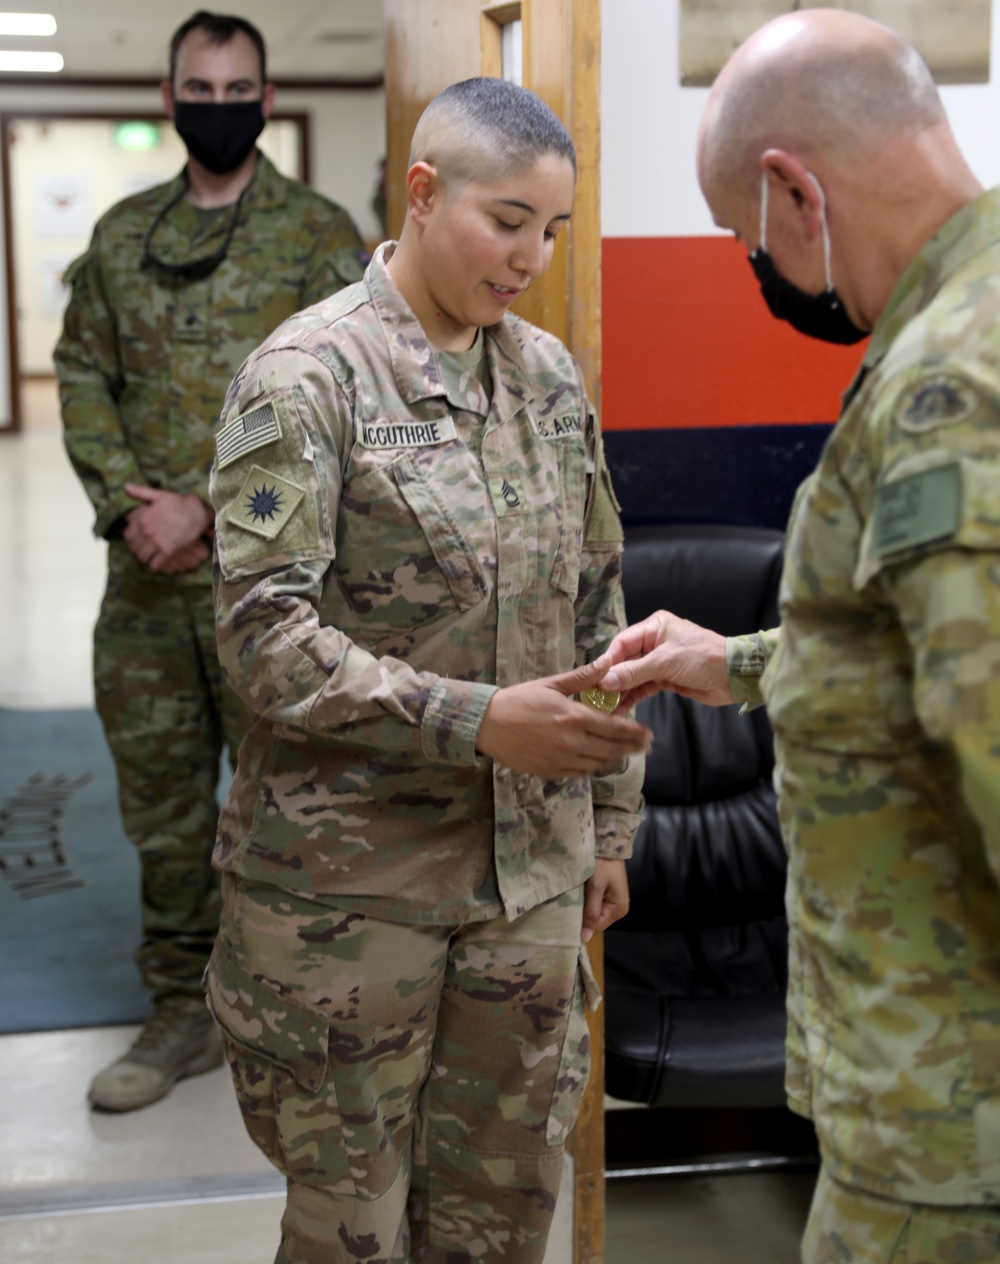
<point>541,729</point>
<point>665,652</point>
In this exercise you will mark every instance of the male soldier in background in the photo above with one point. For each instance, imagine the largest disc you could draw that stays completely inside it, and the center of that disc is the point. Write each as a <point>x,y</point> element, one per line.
<point>824,146</point>
<point>179,284</point>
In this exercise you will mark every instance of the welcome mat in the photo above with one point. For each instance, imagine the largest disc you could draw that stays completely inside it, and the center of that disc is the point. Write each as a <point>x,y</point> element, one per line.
<point>69,879</point>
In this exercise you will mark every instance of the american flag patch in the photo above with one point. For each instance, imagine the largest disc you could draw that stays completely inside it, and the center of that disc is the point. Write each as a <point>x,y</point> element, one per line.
<point>248,432</point>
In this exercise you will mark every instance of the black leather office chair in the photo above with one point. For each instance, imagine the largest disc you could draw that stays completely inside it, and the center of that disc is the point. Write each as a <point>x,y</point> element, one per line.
<point>695,975</point>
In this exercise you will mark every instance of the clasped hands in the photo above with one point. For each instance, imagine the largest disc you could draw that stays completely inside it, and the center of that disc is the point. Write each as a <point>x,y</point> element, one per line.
<point>166,531</point>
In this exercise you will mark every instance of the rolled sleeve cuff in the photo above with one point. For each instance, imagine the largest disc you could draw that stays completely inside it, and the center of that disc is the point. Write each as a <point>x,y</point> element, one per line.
<point>614,833</point>
<point>451,721</point>
<point>110,511</point>
<point>746,658</point>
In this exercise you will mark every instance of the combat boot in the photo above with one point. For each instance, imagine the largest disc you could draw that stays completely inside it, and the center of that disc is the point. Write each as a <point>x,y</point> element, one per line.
<point>179,1040</point>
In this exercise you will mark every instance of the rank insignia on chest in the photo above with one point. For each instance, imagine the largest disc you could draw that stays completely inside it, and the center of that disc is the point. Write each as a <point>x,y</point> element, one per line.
<point>265,503</point>
<point>510,497</point>
<point>940,400</point>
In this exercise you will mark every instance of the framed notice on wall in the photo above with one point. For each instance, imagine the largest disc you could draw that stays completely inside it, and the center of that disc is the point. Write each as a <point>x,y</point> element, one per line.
<point>52,291</point>
<point>62,204</point>
<point>953,36</point>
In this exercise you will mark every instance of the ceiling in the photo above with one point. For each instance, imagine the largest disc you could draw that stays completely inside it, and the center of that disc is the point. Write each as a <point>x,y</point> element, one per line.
<point>306,39</point>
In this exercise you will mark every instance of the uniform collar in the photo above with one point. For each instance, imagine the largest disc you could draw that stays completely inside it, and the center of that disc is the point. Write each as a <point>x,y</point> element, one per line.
<point>267,187</point>
<point>414,362</point>
<point>182,234</point>
<point>971,230</point>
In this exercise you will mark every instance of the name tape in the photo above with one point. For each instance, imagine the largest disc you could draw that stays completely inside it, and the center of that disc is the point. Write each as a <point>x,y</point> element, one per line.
<point>406,434</point>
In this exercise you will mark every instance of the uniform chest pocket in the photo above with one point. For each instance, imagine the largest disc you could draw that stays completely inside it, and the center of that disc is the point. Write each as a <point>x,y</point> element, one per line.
<point>455,559</point>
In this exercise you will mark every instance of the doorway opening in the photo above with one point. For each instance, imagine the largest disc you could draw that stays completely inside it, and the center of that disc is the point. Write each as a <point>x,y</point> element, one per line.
<point>61,172</point>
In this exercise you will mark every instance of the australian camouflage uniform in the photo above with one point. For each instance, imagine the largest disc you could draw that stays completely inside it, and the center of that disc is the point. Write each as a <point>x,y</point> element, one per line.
<point>883,687</point>
<point>145,357</point>
<point>399,961</point>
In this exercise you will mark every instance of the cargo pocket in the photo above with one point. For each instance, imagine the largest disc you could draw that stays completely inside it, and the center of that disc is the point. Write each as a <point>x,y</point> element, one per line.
<point>277,1049</point>
<point>574,1064</point>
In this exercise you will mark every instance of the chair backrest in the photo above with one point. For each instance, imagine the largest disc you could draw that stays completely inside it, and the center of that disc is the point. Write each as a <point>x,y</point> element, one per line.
<point>725,578</point>
<point>695,974</point>
<point>709,852</point>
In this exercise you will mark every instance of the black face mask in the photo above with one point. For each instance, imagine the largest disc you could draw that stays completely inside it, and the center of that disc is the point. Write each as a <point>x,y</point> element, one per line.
<point>820,316</point>
<point>218,135</point>
<point>815,315</point>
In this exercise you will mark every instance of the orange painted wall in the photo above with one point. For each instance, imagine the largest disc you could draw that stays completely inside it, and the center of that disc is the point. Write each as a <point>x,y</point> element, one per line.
<point>689,342</point>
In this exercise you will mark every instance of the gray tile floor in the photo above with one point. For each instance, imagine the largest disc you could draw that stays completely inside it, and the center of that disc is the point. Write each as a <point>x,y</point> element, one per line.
<point>180,1182</point>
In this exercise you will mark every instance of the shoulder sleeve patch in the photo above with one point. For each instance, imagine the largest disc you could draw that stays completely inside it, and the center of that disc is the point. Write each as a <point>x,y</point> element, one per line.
<point>917,509</point>
<point>349,264</point>
<point>942,399</point>
<point>266,503</point>
<point>247,432</point>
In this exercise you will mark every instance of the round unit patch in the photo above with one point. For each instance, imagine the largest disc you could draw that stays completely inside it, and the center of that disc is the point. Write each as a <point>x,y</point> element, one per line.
<point>942,399</point>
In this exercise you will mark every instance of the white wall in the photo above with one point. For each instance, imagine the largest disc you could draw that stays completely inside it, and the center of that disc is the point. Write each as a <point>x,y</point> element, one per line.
<point>347,134</point>
<point>649,123</point>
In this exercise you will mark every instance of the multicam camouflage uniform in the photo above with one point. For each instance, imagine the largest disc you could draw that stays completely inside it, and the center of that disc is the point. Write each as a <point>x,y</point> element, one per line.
<point>144,362</point>
<point>884,691</point>
<point>398,969</point>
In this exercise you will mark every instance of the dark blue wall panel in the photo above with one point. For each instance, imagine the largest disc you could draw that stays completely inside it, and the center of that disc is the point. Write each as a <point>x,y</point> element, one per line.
<point>741,475</point>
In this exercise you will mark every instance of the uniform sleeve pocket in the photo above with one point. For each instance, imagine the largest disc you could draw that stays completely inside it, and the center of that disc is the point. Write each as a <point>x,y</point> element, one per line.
<point>266,490</point>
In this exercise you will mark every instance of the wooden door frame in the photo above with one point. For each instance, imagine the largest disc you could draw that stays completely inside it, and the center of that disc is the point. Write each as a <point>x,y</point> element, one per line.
<point>7,120</point>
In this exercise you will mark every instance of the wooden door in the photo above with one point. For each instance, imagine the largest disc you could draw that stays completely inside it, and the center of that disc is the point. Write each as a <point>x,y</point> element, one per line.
<point>428,45</point>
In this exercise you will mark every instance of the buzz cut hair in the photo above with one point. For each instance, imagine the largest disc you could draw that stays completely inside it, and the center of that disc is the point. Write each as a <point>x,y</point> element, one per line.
<point>482,129</point>
<point>220,29</point>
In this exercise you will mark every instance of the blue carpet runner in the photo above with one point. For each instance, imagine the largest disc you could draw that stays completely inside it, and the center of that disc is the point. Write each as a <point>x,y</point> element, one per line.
<point>69,879</point>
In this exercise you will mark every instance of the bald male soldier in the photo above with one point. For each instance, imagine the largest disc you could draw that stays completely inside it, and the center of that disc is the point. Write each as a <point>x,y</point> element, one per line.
<point>414,523</point>
<point>825,148</point>
<point>178,286</point>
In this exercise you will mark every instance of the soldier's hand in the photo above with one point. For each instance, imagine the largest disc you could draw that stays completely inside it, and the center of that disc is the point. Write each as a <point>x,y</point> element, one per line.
<point>188,559</point>
<point>665,652</point>
<point>541,729</point>
<point>605,897</point>
<point>164,524</point>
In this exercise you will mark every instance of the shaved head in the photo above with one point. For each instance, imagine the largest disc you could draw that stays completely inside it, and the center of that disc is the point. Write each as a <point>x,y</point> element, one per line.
<point>817,82</point>
<point>484,129</point>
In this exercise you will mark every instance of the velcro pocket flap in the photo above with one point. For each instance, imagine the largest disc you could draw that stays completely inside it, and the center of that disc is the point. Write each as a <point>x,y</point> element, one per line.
<point>289,1032</point>
<point>932,502</point>
<point>591,988</point>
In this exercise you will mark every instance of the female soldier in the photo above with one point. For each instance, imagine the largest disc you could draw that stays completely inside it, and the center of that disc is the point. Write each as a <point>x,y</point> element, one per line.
<point>414,525</point>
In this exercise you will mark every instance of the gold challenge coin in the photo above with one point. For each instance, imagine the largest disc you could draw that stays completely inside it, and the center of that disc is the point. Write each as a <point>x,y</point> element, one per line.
<point>600,699</point>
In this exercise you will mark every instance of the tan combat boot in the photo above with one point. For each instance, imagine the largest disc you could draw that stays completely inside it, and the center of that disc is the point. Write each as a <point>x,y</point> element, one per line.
<point>179,1040</point>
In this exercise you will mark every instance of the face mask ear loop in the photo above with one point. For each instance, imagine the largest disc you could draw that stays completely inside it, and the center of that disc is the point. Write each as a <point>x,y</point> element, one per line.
<point>826,232</point>
<point>763,213</point>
